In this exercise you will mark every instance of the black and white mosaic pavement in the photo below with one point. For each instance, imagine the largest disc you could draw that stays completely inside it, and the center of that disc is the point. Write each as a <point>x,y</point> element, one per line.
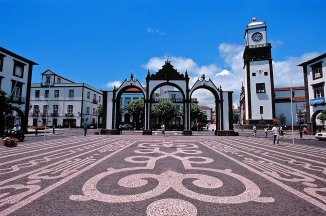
<point>154,175</point>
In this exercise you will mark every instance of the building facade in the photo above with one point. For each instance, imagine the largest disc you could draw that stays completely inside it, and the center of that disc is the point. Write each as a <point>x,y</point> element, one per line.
<point>15,80</point>
<point>60,102</point>
<point>258,79</point>
<point>283,97</point>
<point>314,82</point>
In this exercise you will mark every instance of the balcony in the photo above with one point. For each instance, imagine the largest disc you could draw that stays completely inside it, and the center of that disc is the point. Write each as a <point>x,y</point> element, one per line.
<point>69,114</point>
<point>18,99</point>
<point>95,101</point>
<point>55,114</point>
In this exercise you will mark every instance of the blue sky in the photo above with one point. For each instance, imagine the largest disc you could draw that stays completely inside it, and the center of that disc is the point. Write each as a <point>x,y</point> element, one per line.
<point>100,42</point>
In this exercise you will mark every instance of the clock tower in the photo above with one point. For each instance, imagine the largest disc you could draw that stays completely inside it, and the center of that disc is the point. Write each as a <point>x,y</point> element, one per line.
<point>258,80</point>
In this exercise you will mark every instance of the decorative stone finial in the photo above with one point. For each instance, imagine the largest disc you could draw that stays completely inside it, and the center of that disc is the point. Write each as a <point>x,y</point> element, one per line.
<point>203,77</point>
<point>132,77</point>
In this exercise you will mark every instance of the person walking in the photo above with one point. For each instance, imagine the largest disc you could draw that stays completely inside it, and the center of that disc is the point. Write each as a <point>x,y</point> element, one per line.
<point>255,131</point>
<point>163,129</point>
<point>266,131</point>
<point>85,129</point>
<point>275,132</point>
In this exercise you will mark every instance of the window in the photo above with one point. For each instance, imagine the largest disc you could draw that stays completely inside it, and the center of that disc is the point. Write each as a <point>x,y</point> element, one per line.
<point>1,61</point>
<point>56,93</point>
<point>58,80</point>
<point>319,91</point>
<point>99,99</point>
<point>18,69</point>
<point>36,109</point>
<point>47,79</point>
<point>71,93</point>
<point>261,108</point>
<point>94,97</point>
<point>88,95</point>
<point>45,109</point>
<point>260,87</point>
<point>94,111</point>
<point>55,108</point>
<point>317,71</point>
<point>173,96</point>
<point>0,81</point>
<point>127,100</point>
<point>37,93</point>
<point>87,110</point>
<point>46,93</point>
<point>253,74</point>
<point>70,109</point>
<point>16,90</point>
<point>265,73</point>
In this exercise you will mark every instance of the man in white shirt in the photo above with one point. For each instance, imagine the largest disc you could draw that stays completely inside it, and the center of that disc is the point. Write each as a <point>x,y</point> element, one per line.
<point>275,132</point>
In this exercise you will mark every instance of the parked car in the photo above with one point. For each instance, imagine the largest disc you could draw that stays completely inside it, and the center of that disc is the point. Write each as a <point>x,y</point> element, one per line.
<point>126,127</point>
<point>320,136</point>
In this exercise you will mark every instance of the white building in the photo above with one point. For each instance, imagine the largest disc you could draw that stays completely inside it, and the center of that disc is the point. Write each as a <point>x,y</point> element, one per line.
<point>61,102</point>
<point>283,104</point>
<point>15,80</point>
<point>314,81</point>
<point>258,79</point>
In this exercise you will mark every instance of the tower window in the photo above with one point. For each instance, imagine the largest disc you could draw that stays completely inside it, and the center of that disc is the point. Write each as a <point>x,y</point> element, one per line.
<point>253,74</point>
<point>261,109</point>
<point>265,73</point>
<point>260,87</point>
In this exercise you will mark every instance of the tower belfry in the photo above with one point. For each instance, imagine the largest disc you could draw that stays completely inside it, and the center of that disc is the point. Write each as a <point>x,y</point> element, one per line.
<point>258,75</point>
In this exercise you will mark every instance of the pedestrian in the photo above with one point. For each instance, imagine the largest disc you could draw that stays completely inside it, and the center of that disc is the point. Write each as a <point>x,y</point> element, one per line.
<point>266,130</point>
<point>163,129</point>
<point>275,131</point>
<point>255,131</point>
<point>281,131</point>
<point>85,129</point>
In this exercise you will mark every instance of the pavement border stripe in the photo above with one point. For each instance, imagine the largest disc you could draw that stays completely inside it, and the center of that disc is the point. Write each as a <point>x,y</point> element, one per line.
<point>33,171</point>
<point>280,184</point>
<point>30,199</point>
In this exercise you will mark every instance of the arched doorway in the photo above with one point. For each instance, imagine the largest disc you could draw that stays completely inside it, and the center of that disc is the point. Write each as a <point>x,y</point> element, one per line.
<point>210,86</point>
<point>314,121</point>
<point>167,94</point>
<point>136,91</point>
<point>167,76</point>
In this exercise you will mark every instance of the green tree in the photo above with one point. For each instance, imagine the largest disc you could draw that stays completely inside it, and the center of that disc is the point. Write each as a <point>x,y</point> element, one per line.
<point>5,106</point>
<point>164,110</point>
<point>196,113</point>
<point>281,119</point>
<point>236,118</point>
<point>136,109</point>
<point>322,117</point>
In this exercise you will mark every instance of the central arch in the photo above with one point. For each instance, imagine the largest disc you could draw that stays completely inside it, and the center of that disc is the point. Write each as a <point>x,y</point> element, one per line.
<point>171,77</point>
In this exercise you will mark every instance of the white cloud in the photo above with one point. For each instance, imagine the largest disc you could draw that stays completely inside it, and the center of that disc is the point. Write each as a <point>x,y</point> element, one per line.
<point>223,73</point>
<point>155,31</point>
<point>112,84</point>
<point>287,70</point>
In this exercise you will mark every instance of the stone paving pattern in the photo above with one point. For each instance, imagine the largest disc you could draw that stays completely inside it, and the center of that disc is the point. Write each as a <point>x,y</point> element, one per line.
<point>156,175</point>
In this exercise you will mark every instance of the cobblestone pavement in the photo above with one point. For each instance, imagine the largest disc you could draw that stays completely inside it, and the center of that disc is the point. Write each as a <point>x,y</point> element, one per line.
<point>156,175</point>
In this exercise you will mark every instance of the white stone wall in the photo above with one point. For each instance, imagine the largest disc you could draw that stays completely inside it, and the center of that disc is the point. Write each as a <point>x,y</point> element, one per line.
<point>311,82</point>
<point>260,99</point>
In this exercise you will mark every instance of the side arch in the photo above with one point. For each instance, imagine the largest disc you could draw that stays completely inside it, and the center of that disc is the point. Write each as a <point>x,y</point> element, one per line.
<point>313,120</point>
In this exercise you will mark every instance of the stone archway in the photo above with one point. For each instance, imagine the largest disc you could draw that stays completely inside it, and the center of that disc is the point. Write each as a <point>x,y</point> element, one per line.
<point>210,86</point>
<point>167,75</point>
<point>117,93</point>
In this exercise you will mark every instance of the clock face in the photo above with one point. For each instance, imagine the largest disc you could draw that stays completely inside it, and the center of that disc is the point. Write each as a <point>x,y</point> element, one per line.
<point>257,36</point>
